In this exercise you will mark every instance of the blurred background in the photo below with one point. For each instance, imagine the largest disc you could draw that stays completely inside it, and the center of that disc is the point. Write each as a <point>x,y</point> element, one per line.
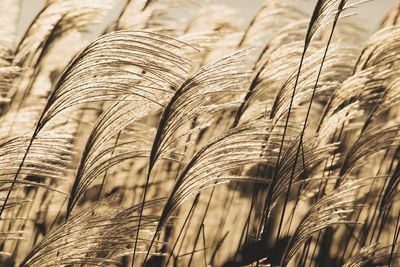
<point>369,13</point>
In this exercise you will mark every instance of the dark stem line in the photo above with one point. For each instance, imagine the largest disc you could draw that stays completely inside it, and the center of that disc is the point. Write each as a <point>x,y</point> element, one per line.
<point>140,217</point>
<point>204,245</point>
<point>188,216</point>
<point>202,223</point>
<point>395,238</point>
<point>269,196</point>
<point>18,170</point>
<point>306,120</point>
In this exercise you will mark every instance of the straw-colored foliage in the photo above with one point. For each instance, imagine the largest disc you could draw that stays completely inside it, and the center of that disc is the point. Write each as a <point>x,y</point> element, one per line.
<point>183,136</point>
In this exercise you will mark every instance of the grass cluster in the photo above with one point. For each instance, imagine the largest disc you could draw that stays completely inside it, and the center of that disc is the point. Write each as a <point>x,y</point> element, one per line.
<point>180,137</point>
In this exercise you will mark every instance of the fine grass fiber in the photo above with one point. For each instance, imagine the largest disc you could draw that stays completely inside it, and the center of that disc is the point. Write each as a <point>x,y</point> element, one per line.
<point>180,136</point>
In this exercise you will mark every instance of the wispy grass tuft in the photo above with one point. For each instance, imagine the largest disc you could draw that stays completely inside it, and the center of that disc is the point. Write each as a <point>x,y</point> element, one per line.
<point>182,136</point>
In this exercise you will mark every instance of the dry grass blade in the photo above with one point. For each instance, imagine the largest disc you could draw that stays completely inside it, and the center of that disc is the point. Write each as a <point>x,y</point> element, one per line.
<point>96,155</point>
<point>56,18</point>
<point>322,12</point>
<point>372,141</point>
<point>332,209</point>
<point>112,68</point>
<point>269,18</point>
<point>381,49</point>
<point>375,255</point>
<point>191,99</point>
<point>49,157</point>
<point>97,236</point>
<point>217,162</point>
<point>391,190</point>
<point>312,155</point>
